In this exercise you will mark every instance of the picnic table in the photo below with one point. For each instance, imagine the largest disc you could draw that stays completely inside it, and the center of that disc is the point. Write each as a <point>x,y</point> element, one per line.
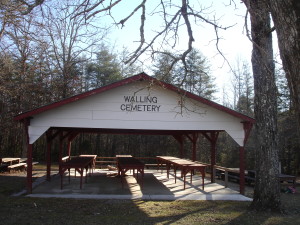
<point>10,163</point>
<point>79,164</point>
<point>186,166</point>
<point>93,164</point>
<point>127,162</point>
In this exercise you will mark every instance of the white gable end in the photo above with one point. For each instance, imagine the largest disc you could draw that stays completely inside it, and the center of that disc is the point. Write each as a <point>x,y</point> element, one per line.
<point>137,106</point>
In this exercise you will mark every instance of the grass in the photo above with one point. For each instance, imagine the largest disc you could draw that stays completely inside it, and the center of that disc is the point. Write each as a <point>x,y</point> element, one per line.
<point>23,210</point>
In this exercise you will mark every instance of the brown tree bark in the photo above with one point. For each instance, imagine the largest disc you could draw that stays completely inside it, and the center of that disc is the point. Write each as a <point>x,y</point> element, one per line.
<point>267,189</point>
<point>286,18</point>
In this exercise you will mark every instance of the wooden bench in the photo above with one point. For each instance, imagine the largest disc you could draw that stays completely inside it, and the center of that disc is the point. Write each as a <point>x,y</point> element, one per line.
<point>21,166</point>
<point>65,159</point>
<point>17,166</point>
<point>151,165</point>
<point>105,164</point>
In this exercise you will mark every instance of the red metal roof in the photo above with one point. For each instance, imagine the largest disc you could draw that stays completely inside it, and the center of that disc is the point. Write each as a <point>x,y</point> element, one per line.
<point>141,76</point>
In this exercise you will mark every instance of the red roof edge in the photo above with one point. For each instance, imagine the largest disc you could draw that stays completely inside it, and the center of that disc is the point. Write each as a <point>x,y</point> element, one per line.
<point>141,76</point>
<point>207,102</point>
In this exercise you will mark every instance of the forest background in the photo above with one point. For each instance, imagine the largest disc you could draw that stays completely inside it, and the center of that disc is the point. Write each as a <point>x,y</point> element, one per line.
<point>52,53</point>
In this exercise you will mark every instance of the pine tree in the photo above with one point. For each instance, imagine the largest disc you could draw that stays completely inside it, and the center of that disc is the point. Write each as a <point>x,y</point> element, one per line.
<point>104,70</point>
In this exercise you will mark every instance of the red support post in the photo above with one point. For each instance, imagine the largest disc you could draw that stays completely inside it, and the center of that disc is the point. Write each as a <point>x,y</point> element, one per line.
<point>48,156</point>
<point>69,147</point>
<point>180,139</point>
<point>195,138</point>
<point>212,137</point>
<point>70,139</point>
<point>242,170</point>
<point>213,158</point>
<point>49,146</point>
<point>29,168</point>
<point>50,137</point>
<point>29,157</point>
<point>61,142</point>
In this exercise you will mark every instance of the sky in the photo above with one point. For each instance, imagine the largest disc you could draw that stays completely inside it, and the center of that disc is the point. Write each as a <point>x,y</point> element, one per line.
<point>233,44</point>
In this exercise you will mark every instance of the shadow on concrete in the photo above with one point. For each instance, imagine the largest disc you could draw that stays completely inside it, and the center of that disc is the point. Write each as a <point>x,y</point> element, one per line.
<point>104,184</point>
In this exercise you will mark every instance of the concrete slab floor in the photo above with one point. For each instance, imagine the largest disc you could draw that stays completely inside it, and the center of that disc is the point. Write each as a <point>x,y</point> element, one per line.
<point>104,184</point>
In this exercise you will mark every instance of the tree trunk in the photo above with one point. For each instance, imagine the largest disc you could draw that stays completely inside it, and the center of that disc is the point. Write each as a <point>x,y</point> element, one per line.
<point>286,18</point>
<point>267,189</point>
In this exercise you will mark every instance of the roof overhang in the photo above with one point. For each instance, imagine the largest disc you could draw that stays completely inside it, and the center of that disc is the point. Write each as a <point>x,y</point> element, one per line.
<point>97,111</point>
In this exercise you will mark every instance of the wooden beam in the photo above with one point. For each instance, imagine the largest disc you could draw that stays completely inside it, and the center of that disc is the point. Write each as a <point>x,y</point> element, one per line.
<point>247,129</point>
<point>212,137</point>
<point>180,139</point>
<point>71,137</point>
<point>193,138</point>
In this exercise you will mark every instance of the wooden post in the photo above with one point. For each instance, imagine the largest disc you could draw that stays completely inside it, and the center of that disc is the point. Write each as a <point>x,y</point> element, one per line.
<point>182,153</point>
<point>48,154</point>
<point>194,139</point>
<point>50,137</point>
<point>180,139</point>
<point>213,155</point>
<point>69,147</point>
<point>29,157</point>
<point>60,154</point>
<point>212,136</point>
<point>71,137</point>
<point>49,146</point>
<point>29,168</point>
<point>242,170</point>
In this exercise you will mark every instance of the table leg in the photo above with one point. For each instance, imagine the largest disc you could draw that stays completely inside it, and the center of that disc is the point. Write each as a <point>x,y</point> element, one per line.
<point>69,170</point>
<point>81,175</point>
<point>184,176</point>
<point>202,171</point>
<point>142,177</point>
<point>168,169</point>
<point>122,174</point>
<point>61,181</point>
<point>61,172</point>
<point>86,173</point>
<point>175,171</point>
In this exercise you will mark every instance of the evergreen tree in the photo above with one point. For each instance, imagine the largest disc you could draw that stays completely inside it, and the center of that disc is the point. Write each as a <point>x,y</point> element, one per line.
<point>104,70</point>
<point>196,76</point>
<point>193,77</point>
<point>163,68</point>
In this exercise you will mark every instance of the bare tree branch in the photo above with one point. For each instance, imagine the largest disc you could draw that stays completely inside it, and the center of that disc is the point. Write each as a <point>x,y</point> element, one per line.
<point>29,6</point>
<point>140,51</point>
<point>142,5</point>
<point>174,17</point>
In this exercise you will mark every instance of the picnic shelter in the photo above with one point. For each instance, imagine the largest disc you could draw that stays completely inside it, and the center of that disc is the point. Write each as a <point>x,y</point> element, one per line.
<point>138,104</point>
